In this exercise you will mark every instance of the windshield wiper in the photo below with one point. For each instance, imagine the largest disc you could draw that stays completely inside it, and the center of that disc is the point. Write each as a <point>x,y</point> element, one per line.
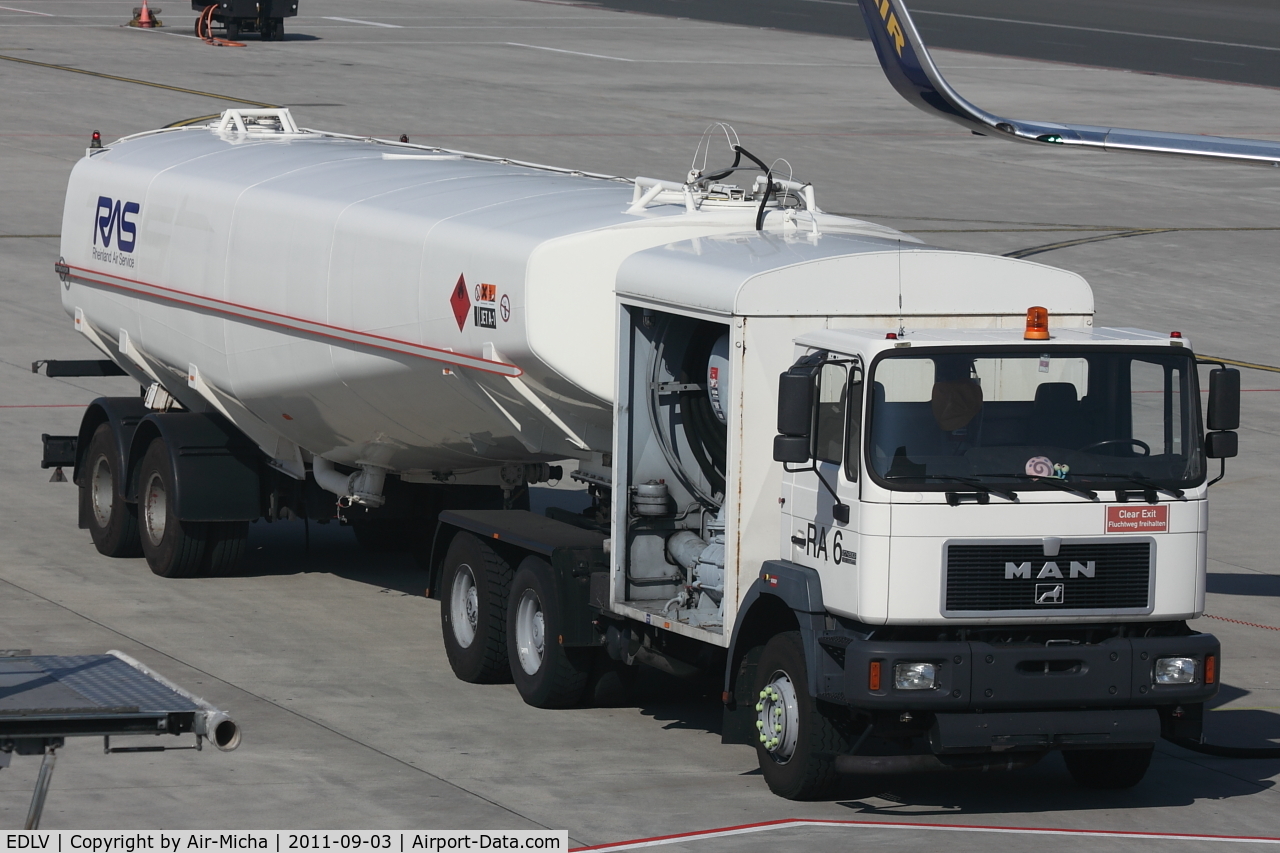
<point>1054,482</point>
<point>1140,481</point>
<point>968,481</point>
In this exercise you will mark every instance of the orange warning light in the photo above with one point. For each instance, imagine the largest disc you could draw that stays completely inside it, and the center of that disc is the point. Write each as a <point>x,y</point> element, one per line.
<point>1037,324</point>
<point>1210,669</point>
<point>873,679</point>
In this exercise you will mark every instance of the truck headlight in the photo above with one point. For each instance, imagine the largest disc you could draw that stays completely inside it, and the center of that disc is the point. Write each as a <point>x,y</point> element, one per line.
<point>1175,670</point>
<point>915,676</point>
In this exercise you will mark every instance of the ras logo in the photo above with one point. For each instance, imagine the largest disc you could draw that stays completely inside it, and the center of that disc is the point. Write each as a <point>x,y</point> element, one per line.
<point>113,218</point>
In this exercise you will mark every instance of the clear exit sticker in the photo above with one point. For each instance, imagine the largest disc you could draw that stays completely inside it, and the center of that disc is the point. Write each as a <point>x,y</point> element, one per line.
<point>1140,518</point>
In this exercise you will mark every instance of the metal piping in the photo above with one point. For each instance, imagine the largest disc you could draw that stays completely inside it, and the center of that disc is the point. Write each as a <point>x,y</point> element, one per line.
<point>210,722</point>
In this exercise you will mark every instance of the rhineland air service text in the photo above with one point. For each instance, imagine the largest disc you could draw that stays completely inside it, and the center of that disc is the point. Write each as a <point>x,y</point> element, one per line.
<point>168,841</point>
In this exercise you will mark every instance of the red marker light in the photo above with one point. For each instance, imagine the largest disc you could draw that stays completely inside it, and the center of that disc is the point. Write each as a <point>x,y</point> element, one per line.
<point>96,140</point>
<point>890,336</point>
<point>1175,334</point>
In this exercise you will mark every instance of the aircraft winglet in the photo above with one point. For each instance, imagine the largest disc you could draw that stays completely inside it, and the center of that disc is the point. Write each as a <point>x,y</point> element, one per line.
<point>910,69</point>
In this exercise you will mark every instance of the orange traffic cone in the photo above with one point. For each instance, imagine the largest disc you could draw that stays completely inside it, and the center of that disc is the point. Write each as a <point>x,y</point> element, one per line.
<point>144,17</point>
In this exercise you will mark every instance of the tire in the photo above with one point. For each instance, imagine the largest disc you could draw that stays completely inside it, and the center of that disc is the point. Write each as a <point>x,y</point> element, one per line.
<point>173,548</point>
<point>225,546</point>
<point>547,674</point>
<point>113,521</point>
<point>797,756</point>
<point>1108,769</point>
<point>473,611</point>
<point>277,29</point>
<point>233,30</point>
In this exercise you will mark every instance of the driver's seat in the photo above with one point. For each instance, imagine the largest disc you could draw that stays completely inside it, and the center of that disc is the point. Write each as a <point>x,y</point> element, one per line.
<point>1056,419</point>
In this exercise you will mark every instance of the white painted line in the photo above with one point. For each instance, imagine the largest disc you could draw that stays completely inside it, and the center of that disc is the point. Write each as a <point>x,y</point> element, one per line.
<point>916,12</point>
<point>573,52</point>
<point>684,838</point>
<point>1094,30</point>
<point>366,23</point>
<point>28,12</point>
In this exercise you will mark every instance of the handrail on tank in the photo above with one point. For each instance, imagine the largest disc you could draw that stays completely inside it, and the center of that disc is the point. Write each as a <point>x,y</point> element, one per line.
<point>242,121</point>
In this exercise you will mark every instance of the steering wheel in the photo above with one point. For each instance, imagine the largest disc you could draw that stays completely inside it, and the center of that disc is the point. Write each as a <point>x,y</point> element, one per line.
<point>1146,448</point>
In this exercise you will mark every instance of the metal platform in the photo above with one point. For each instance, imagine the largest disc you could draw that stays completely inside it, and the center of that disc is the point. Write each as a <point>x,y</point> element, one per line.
<point>45,699</point>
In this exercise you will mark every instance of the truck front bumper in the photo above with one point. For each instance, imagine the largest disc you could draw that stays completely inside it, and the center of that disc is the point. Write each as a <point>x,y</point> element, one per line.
<point>976,676</point>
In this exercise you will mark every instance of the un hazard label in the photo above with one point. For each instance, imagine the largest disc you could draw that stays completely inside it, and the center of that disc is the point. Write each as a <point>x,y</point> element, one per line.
<point>1138,519</point>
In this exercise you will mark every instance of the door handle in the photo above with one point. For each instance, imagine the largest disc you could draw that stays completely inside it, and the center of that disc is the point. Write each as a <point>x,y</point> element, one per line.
<point>799,541</point>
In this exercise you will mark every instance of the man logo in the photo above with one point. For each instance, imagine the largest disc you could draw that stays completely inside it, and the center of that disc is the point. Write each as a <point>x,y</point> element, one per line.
<point>113,218</point>
<point>1050,593</point>
<point>1050,570</point>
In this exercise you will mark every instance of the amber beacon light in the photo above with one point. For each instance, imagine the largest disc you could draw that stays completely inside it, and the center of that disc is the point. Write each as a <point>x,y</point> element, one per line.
<point>1037,324</point>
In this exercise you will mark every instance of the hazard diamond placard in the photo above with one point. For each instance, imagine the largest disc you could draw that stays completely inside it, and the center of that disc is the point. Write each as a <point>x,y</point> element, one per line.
<point>460,302</point>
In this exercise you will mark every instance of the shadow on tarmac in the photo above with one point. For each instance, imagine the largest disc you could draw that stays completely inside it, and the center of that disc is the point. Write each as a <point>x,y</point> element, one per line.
<point>281,548</point>
<point>1244,584</point>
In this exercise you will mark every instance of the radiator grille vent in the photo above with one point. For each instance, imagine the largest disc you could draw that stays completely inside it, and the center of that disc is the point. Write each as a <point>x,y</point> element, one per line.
<point>986,578</point>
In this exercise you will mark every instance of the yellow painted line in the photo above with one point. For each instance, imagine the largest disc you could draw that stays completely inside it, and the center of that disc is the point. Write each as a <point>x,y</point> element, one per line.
<point>1248,364</point>
<point>136,82</point>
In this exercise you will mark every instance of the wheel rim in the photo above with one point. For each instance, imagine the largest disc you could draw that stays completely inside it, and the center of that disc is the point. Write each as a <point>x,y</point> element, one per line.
<point>464,607</point>
<point>155,508</point>
<point>778,717</point>
<point>101,494</point>
<point>530,632</point>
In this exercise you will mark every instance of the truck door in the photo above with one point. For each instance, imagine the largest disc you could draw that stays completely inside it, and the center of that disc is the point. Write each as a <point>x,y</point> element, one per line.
<point>813,532</point>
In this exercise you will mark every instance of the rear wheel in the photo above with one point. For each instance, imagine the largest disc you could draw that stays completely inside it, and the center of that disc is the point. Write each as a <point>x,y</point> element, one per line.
<point>277,29</point>
<point>547,674</point>
<point>1108,769</point>
<point>798,741</point>
<point>233,29</point>
<point>173,548</point>
<point>473,611</point>
<point>225,545</point>
<point>113,521</point>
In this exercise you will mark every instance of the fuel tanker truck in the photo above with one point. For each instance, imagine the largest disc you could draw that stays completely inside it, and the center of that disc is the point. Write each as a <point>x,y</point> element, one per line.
<point>913,507</point>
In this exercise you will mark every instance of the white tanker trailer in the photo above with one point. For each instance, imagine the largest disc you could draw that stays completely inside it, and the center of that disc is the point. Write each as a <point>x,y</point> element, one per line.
<point>910,503</point>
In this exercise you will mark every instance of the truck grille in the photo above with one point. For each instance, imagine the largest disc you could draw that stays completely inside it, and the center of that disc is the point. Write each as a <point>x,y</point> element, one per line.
<point>1002,578</point>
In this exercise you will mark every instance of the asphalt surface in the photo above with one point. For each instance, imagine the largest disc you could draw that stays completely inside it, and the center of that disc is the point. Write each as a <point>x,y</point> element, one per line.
<point>1232,40</point>
<point>331,657</point>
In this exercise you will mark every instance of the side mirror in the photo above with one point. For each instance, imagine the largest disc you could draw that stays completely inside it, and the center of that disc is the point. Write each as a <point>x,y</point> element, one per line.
<point>1221,445</point>
<point>793,449</point>
<point>795,401</point>
<point>1224,401</point>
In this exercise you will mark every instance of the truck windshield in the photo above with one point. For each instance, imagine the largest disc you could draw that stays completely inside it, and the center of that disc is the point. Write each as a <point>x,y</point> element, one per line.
<point>1099,418</point>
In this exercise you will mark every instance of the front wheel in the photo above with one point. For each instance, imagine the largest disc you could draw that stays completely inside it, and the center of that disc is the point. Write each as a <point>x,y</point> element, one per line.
<point>233,29</point>
<point>798,741</point>
<point>1108,769</point>
<point>547,674</point>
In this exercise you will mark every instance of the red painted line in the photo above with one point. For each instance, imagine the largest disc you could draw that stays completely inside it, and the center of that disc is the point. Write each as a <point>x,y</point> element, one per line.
<point>791,823</point>
<point>297,324</point>
<point>1238,622</point>
<point>48,406</point>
